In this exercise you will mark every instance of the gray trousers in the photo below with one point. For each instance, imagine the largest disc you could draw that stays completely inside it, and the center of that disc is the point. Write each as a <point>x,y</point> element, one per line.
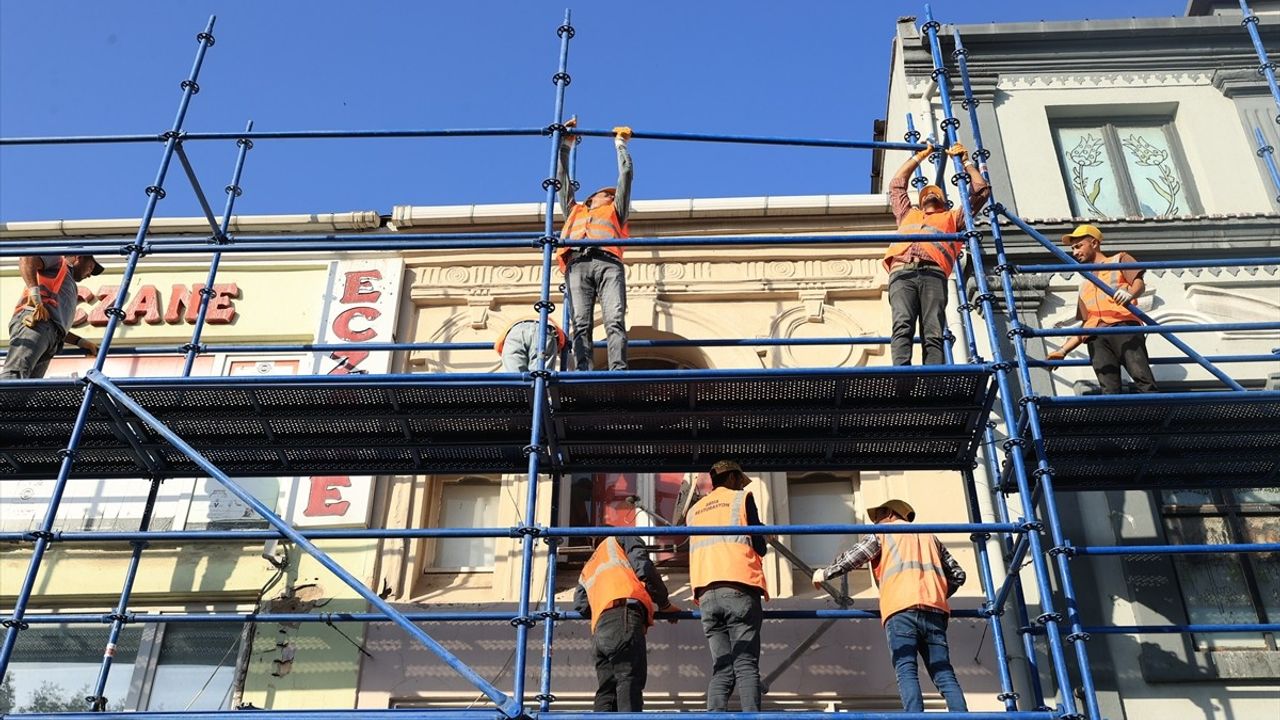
<point>731,620</point>
<point>918,297</point>
<point>518,353</point>
<point>591,279</point>
<point>1108,352</point>
<point>30,349</point>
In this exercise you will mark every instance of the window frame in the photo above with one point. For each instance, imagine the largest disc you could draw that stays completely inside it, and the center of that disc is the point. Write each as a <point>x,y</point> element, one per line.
<point>1111,141</point>
<point>430,548</point>
<point>1233,515</point>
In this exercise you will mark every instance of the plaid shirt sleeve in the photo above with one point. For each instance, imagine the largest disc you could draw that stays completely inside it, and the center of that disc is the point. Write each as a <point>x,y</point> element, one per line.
<point>855,557</point>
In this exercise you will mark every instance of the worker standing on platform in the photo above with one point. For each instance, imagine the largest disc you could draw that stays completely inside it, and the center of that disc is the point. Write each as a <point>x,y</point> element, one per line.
<point>1095,309</point>
<point>916,575</point>
<point>42,320</point>
<point>726,573</point>
<point>919,271</point>
<point>516,345</point>
<point>595,273</point>
<point>619,589</point>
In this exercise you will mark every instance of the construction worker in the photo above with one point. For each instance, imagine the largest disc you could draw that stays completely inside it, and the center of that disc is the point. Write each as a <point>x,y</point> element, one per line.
<point>618,589</point>
<point>1095,309</point>
<point>919,270</point>
<point>595,273</point>
<point>726,573</point>
<point>42,320</point>
<point>916,575</point>
<point>516,345</point>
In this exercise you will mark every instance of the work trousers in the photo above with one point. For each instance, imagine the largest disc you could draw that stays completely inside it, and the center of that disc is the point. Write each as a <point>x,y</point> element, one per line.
<point>621,659</point>
<point>518,353</point>
<point>30,349</point>
<point>1108,352</point>
<point>731,620</point>
<point>913,633</point>
<point>918,297</point>
<point>598,277</point>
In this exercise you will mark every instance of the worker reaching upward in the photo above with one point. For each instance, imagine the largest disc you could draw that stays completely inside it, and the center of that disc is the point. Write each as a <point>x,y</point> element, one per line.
<point>595,273</point>
<point>919,270</point>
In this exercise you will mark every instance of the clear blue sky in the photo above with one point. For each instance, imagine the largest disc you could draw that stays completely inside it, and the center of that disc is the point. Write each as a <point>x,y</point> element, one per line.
<point>815,69</point>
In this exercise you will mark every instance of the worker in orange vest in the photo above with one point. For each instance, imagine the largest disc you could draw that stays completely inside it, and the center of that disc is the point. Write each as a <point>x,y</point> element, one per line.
<point>726,573</point>
<point>595,273</point>
<point>42,320</point>
<point>516,345</point>
<point>1108,352</point>
<point>916,575</point>
<point>618,589</point>
<point>919,270</point>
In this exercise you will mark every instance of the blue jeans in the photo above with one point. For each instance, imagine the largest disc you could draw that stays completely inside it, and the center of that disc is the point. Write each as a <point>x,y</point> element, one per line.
<point>918,632</point>
<point>731,620</point>
<point>598,278</point>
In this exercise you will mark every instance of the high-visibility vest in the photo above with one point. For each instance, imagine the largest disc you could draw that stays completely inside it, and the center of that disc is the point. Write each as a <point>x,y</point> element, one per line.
<point>910,574</point>
<point>551,325</point>
<point>1099,307</point>
<point>600,223</point>
<point>51,287</point>
<point>723,558</point>
<point>918,222</point>
<point>608,578</point>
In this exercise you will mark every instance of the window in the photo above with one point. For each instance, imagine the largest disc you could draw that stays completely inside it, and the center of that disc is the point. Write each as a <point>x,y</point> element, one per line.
<point>820,499</point>
<point>630,500</point>
<point>1124,168</point>
<point>155,667</point>
<point>1227,588</point>
<point>467,502</point>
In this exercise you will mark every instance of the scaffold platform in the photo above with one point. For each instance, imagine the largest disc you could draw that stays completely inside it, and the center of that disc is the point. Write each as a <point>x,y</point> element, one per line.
<point>388,424</point>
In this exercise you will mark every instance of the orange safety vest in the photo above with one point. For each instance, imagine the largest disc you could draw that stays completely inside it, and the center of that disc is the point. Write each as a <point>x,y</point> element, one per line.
<point>600,223</point>
<point>723,558</point>
<point>910,574</point>
<point>1099,307</point>
<point>51,287</point>
<point>918,222</point>
<point>609,578</point>
<point>502,338</point>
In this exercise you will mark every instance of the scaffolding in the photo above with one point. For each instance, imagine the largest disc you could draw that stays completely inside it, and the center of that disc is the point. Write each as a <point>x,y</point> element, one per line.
<point>544,422</point>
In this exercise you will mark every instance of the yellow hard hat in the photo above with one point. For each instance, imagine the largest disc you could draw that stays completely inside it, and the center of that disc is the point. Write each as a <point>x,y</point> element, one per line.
<point>932,190</point>
<point>1082,231</point>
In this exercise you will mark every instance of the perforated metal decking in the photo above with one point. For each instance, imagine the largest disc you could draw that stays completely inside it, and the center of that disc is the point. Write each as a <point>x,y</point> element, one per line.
<point>1173,440</point>
<point>433,424</point>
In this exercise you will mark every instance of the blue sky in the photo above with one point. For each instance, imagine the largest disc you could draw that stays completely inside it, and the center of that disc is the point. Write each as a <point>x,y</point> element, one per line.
<point>815,69</point>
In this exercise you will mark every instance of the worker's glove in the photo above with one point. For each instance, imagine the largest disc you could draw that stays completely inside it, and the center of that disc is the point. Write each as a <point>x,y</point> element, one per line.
<point>1056,355</point>
<point>819,577</point>
<point>621,135</point>
<point>1122,296</point>
<point>928,150</point>
<point>567,138</point>
<point>39,311</point>
<point>958,150</point>
<point>88,346</point>
<point>671,608</point>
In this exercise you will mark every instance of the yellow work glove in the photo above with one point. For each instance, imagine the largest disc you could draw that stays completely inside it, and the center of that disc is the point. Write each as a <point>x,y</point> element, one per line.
<point>39,311</point>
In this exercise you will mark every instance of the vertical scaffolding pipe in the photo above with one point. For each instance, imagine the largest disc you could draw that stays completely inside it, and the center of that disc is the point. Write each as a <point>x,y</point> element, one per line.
<point>980,540</point>
<point>549,614</point>
<point>1049,617</point>
<point>540,374</point>
<point>1266,68</point>
<point>1043,472</point>
<point>206,292</point>
<point>155,192</point>
<point>1268,155</point>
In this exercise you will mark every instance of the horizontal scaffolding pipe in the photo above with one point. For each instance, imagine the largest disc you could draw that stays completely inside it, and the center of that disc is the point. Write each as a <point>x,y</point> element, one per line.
<point>382,242</point>
<point>1177,549</point>
<point>1149,329</point>
<point>470,714</point>
<point>1176,398</point>
<point>461,132</point>
<point>426,617</point>
<point>456,347</point>
<point>107,244</point>
<point>1272,357</point>
<point>250,536</point>
<point>1146,265</point>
